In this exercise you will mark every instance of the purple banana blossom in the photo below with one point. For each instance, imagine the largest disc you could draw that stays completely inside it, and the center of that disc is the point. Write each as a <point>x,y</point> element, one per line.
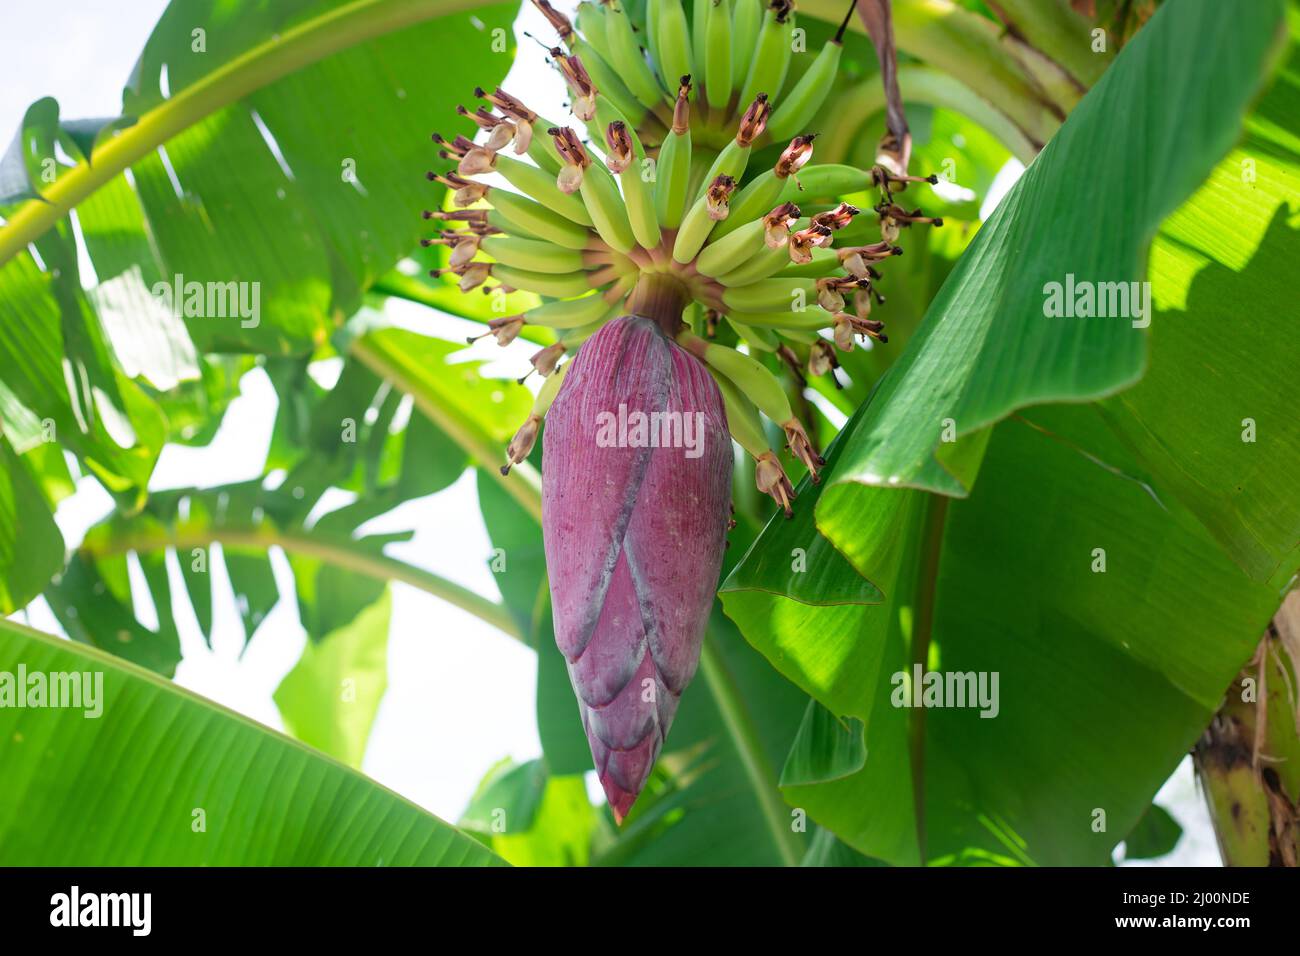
<point>634,523</point>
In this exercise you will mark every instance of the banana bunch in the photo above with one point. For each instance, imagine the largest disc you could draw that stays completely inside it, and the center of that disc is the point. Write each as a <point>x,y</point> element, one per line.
<point>659,210</point>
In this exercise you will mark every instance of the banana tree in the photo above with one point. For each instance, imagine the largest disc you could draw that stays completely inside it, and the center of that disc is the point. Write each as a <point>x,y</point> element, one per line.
<point>1081,508</point>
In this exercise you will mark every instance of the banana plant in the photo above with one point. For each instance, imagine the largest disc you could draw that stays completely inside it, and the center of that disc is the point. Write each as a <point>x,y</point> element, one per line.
<point>939,471</point>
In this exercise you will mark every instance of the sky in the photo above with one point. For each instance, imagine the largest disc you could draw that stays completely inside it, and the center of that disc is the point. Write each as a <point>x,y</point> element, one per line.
<point>461,695</point>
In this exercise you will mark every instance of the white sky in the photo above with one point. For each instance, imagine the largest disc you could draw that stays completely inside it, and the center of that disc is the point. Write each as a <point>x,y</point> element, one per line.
<point>461,695</point>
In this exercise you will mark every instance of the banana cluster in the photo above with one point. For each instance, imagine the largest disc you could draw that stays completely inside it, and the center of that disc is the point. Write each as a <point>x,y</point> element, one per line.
<point>659,210</point>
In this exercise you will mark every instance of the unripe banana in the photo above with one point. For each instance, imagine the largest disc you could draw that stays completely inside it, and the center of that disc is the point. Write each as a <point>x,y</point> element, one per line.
<point>628,155</point>
<point>742,417</point>
<point>539,256</point>
<point>545,396</point>
<point>609,84</point>
<point>764,263</point>
<point>772,57</point>
<point>590,20</point>
<point>717,46</point>
<point>568,313</point>
<point>809,320</point>
<point>759,195</point>
<point>824,261</point>
<point>674,45</point>
<point>794,110</point>
<point>725,255</point>
<point>700,218</point>
<point>771,295</point>
<point>764,340</point>
<point>699,36</point>
<point>652,12</point>
<point>540,185</point>
<point>608,214</point>
<point>519,214</point>
<point>627,59</point>
<point>560,286</point>
<point>746,21</point>
<point>825,181</point>
<point>676,162</point>
<point>750,376</point>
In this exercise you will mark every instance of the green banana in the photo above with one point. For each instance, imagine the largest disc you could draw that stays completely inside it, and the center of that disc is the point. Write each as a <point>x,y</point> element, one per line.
<point>717,49</point>
<point>765,262</point>
<point>514,213</point>
<point>824,261</point>
<point>568,313</point>
<point>638,195</point>
<point>797,108</point>
<point>608,214</point>
<point>751,377</point>
<point>772,58</point>
<point>626,58</point>
<point>699,34</point>
<point>673,171</point>
<point>742,417</point>
<point>759,195</point>
<point>698,222</point>
<point>608,82</point>
<point>561,286</point>
<point>652,12</point>
<point>674,44</point>
<point>531,254</point>
<point>591,24</point>
<point>830,180</point>
<point>771,295</point>
<point>764,340</point>
<point>724,255</point>
<point>810,319</point>
<point>540,185</point>
<point>746,20</point>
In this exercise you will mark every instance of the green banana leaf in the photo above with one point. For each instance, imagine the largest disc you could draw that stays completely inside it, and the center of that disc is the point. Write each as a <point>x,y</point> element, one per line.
<point>85,790</point>
<point>1087,535</point>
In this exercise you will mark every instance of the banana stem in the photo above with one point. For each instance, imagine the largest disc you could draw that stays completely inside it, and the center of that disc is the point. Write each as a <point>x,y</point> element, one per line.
<point>1248,759</point>
<point>343,554</point>
<point>745,737</point>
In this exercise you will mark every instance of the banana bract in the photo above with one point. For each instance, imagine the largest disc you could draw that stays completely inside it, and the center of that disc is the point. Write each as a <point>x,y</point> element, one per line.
<point>636,490</point>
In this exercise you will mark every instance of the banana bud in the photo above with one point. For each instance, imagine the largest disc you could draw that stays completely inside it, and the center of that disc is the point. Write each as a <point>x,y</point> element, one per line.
<point>619,142</point>
<point>821,358</point>
<point>836,218</point>
<point>777,223</point>
<point>575,156</point>
<point>754,121</point>
<point>829,296</point>
<point>506,330</point>
<point>558,21</point>
<point>581,87</point>
<point>771,479</point>
<point>521,446</point>
<point>856,259</point>
<point>682,107</point>
<point>546,359</point>
<point>795,156</point>
<point>804,241</point>
<point>801,447</point>
<point>719,195</point>
<point>463,251</point>
<point>478,160</point>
